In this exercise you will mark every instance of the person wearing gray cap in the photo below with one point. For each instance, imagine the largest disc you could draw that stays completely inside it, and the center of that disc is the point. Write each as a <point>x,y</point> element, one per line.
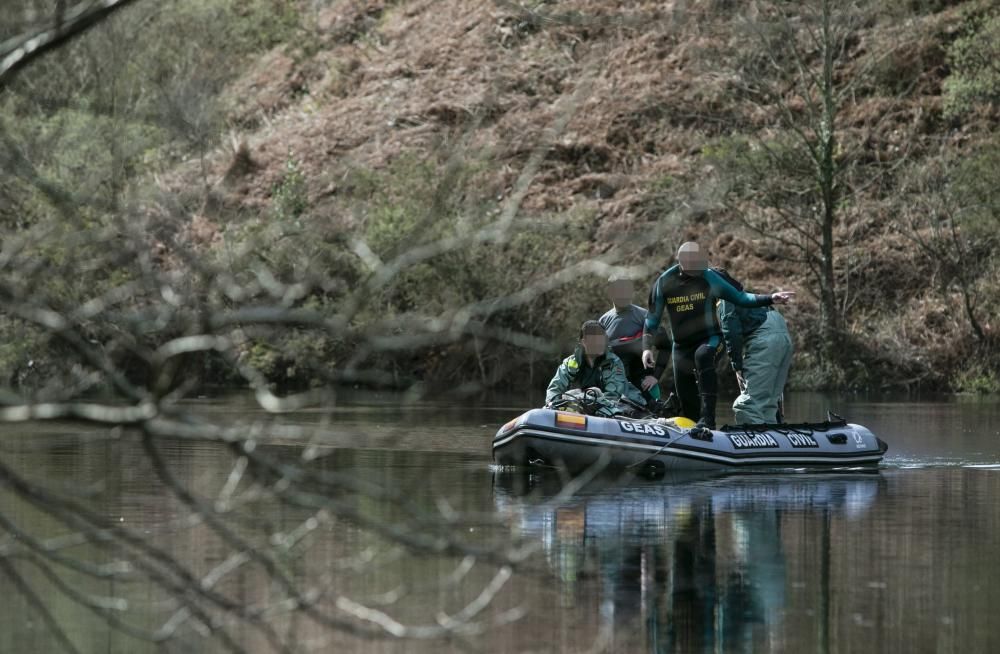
<point>624,323</point>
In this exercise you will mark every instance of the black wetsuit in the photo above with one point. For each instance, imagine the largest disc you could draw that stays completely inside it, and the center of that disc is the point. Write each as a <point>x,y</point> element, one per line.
<point>690,303</point>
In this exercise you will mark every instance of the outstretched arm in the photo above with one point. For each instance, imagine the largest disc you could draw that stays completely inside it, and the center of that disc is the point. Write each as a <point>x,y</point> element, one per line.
<point>726,291</point>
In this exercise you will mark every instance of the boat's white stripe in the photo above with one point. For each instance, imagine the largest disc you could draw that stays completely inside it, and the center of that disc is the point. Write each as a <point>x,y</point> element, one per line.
<point>578,439</point>
<point>868,456</point>
<point>638,438</point>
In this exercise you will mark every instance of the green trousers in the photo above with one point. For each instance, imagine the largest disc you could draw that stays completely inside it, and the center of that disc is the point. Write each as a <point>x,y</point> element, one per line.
<point>767,356</point>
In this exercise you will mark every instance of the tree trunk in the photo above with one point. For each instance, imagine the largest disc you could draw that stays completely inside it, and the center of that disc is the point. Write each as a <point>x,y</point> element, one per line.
<point>827,178</point>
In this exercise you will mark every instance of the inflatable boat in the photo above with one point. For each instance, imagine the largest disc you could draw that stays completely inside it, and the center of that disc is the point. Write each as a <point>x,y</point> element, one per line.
<point>576,441</point>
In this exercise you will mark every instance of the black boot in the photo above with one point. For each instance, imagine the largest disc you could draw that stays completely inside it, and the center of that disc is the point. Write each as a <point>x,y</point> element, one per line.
<point>703,428</point>
<point>707,410</point>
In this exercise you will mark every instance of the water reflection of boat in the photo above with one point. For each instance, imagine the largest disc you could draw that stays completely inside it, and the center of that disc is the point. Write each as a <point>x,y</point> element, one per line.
<point>695,566</point>
<point>575,441</point>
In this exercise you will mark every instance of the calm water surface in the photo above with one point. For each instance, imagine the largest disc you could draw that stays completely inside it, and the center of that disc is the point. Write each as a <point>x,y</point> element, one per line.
<point>901,560</point>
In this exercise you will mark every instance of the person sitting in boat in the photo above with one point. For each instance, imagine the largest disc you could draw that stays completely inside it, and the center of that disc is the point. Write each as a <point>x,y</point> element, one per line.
<point>624,324</point>
<point>594,365</point>
<point>760,353</point>
<point>689,290</point>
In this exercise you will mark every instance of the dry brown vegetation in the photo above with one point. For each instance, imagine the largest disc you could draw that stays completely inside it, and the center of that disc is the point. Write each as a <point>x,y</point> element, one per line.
<point>380,80</point>
<point>637,106</point>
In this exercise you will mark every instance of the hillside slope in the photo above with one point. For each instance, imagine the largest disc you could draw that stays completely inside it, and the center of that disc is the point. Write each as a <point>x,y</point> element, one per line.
<point>630,106</point>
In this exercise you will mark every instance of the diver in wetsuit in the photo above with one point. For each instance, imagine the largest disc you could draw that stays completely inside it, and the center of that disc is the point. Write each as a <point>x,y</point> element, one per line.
<point>688,292</point>
<point>624,323</point>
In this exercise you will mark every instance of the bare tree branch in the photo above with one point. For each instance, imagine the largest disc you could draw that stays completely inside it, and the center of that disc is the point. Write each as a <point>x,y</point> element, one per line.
<point>20,51</point>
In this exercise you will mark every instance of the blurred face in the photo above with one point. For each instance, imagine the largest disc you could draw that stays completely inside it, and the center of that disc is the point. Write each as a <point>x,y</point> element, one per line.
<point>594,344</point>
<point>693,262</point>
<point>621,292</point>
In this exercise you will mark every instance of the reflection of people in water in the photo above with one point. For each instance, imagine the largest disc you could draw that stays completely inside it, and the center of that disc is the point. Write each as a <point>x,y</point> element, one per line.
<point>693,594</point>
<point>663,567</point>
<point>723,593</point>
<point>697,568</point>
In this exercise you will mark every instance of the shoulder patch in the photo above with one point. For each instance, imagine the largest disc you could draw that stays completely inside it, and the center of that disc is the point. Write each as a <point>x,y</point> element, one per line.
<point>571,363</point>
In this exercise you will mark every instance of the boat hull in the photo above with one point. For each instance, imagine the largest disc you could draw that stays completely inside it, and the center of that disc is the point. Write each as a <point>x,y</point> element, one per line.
<point>575,442</point>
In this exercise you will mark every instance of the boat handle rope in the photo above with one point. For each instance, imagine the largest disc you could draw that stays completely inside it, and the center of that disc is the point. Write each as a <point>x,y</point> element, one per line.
<point>646,460</point>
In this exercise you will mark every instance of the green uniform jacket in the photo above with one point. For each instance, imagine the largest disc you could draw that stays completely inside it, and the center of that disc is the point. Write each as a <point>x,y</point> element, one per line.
<point>607,374</point>
<point>737,324</point>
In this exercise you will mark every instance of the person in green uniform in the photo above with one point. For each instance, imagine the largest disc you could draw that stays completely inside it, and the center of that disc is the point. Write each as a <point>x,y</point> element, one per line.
<point>688,292</point>
<point>594,365</point>
<point>760,353</point>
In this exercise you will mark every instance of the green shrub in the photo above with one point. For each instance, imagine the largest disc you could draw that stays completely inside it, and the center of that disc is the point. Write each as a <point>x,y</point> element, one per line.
<point>20,347</point>
<point>974,189</point>
<point>977,378</point>
<point>90,156</point>
<point>975,77</point>
<point>288,197</point>
<point>255,25</point>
